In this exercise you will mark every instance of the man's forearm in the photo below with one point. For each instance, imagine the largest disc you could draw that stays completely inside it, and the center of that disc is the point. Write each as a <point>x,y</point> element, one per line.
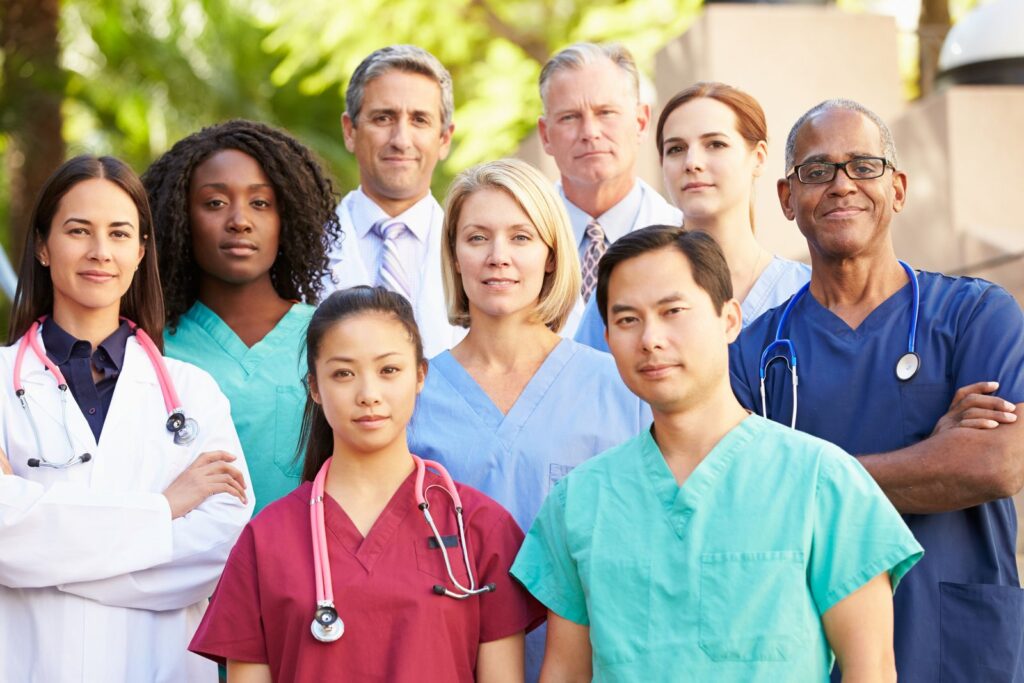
<point>952,470</point>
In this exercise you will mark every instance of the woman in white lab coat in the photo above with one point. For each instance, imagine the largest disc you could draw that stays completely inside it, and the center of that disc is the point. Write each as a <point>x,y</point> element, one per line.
<point>122,490</point>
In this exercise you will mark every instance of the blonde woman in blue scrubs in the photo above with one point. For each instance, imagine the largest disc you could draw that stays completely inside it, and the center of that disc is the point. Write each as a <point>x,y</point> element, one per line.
<point>245,215</point>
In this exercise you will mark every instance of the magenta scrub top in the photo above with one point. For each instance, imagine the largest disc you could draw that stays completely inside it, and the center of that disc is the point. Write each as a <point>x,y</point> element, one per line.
<point>396,627</point>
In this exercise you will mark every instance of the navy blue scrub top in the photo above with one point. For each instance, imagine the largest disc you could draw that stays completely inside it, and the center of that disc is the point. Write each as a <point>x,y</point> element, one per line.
<point>959,614</point>
<point>73,357</point>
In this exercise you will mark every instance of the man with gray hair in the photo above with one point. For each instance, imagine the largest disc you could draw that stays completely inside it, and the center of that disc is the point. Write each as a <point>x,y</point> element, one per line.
<point>398,124</point>
<point>882,350</point>
<point>592,125</point>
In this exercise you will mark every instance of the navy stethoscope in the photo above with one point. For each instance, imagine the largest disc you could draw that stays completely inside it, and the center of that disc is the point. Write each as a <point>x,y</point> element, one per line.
<point>327,626</point>
<point>783,347</point>
<point>185,429</point>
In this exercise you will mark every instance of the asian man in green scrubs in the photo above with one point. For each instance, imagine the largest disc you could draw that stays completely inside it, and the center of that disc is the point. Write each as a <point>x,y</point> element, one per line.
<point>716,546</point>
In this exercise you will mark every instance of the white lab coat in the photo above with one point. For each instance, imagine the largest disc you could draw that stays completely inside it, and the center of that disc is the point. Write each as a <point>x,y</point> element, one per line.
<point>347,269</point>
<point>97,583</point>
<point>654,210</point>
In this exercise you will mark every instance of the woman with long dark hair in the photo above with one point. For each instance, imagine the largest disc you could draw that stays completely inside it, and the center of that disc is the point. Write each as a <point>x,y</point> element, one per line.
<point>113,520</point>
<point>378,567</point>
<point>245,214</point>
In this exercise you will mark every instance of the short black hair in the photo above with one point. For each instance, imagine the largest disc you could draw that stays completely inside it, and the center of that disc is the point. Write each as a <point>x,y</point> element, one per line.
<point>710,269</point>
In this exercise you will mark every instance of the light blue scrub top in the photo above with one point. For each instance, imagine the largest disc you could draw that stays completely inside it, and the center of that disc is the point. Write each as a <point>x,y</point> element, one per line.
<point>722,579</point>
<point>779,281</point>
<point>959,616</point>
<point>574,407</point>
<point>263,384</point>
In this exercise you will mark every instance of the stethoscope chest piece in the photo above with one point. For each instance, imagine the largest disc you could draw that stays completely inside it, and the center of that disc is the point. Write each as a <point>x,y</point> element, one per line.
<point>907,366</point>
<point>185,429</point>
<point>327,626</point>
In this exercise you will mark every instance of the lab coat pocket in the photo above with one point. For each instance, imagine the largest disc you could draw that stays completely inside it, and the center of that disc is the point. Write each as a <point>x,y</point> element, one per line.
<point>921,406</point>
<point>981,633</point>
<point>619,606</point>
<point>291,401</point>
<point>752,605</point>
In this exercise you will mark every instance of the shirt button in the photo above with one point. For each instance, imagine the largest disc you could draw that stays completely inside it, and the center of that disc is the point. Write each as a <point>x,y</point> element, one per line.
<point>92,411</point>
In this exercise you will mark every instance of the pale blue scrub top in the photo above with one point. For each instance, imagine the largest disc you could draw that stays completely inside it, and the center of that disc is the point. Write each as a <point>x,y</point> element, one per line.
<point>960,613</point>
<point>724,578</point>
<point>779,281</point>
<point>574,407</point>
<point>263,384</point>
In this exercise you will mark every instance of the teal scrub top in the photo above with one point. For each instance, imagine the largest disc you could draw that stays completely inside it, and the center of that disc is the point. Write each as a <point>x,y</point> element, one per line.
<point>263,384</point>
<point>724,578</point>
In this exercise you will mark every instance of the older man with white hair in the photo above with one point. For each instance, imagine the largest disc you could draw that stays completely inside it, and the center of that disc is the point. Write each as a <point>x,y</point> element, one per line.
<point>593,125</point>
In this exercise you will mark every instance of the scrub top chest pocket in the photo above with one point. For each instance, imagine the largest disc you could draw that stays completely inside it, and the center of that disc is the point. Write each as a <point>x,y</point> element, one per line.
<point>290,403</point>
<point>753,605</point>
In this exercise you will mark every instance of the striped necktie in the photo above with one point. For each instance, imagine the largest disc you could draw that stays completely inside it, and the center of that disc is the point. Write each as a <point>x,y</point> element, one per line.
<point>594,251</point>
<point>391,273</point>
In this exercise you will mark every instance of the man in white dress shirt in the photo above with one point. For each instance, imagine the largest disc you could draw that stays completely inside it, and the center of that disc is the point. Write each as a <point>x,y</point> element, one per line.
<point>398,124</point>
<point>593,125</point>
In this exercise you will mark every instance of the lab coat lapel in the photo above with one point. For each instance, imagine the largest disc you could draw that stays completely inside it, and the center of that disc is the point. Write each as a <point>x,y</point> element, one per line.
<point>44,401</point>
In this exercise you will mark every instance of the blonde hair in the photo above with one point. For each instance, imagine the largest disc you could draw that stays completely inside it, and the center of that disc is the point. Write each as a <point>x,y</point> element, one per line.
<point>536,196</point>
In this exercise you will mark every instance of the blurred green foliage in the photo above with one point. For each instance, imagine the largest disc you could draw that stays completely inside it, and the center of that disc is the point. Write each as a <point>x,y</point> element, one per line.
<point>142,74</point>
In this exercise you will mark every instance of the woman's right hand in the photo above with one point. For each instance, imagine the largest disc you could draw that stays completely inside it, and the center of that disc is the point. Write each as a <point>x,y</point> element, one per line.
<point>208,475</point>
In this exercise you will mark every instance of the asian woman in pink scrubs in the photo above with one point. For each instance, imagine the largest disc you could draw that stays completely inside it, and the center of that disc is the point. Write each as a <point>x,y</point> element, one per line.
<point>366,367</point>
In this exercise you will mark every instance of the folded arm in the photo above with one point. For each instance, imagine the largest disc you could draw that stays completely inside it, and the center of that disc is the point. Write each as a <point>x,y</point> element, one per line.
<point>955,468</point>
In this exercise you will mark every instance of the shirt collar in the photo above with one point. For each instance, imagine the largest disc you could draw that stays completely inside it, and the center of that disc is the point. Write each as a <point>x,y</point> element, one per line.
<point>616,221</point>
<point>60,344</point>
<point>417,217</point>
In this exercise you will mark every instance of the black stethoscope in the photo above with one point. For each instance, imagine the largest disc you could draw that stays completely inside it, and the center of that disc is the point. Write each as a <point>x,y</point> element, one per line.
<point>906,366</point>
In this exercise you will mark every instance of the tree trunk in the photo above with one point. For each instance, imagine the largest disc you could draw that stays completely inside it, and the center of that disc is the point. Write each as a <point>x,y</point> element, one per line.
<point>30,101</point>
<point>932,28</point>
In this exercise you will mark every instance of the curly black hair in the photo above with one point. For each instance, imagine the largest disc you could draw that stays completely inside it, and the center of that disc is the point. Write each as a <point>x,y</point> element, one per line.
<point>306,204</point>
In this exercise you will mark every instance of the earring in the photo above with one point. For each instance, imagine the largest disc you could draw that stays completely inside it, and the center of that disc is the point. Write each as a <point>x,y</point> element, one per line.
<point>43,263</point>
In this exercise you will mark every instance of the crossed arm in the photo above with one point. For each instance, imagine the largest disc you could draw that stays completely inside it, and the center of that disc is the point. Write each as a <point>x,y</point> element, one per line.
<point>974,455</point>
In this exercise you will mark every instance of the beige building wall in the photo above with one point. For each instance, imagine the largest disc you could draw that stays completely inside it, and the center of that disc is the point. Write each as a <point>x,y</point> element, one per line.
<point>963,150</point>
<point>790,58</point>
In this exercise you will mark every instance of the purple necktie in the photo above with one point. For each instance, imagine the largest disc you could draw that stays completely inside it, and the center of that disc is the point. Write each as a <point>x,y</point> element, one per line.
<point>392,274</point>
<point>595,250</point>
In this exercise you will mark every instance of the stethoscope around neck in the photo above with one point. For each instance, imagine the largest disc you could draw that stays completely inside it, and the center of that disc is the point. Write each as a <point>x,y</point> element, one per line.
<point>184,429</point>
<point>327,626</point>
<point>783,348</point>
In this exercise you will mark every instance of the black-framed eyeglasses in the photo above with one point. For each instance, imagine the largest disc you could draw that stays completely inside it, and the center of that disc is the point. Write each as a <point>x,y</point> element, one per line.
<point>862,168</point>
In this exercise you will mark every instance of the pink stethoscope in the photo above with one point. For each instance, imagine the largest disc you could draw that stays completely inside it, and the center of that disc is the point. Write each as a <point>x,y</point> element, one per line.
<point>185,429</point>
<point>327,625</point>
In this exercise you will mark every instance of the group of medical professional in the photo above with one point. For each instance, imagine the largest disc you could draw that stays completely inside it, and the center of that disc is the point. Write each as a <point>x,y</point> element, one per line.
<point>559,432</point>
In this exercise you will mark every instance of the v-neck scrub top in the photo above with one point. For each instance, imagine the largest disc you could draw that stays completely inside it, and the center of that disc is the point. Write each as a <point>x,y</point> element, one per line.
<point>263,384</point>
<point>960,614</point>
<point>574,407</point>
<point>724,578</point>
<point>396,628</point>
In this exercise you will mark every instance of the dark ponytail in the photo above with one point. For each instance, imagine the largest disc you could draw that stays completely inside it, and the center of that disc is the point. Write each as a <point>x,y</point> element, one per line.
<point>317,439</point>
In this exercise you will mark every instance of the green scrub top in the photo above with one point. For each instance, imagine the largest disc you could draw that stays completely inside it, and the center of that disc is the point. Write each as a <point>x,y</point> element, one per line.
<point>724,578</point>
<point>263,384</point>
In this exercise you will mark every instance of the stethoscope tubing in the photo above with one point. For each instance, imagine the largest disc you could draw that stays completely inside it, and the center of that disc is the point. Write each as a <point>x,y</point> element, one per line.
<point>769,354</point>
<point>327,625</point>
<point>31,341</point>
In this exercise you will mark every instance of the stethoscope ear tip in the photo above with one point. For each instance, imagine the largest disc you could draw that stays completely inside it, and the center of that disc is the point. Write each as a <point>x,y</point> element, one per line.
<point>439,589</point>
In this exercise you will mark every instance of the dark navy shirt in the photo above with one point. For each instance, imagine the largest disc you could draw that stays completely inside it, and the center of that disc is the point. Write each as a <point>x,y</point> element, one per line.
<point>959,613</point>
<point>73,357</point>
